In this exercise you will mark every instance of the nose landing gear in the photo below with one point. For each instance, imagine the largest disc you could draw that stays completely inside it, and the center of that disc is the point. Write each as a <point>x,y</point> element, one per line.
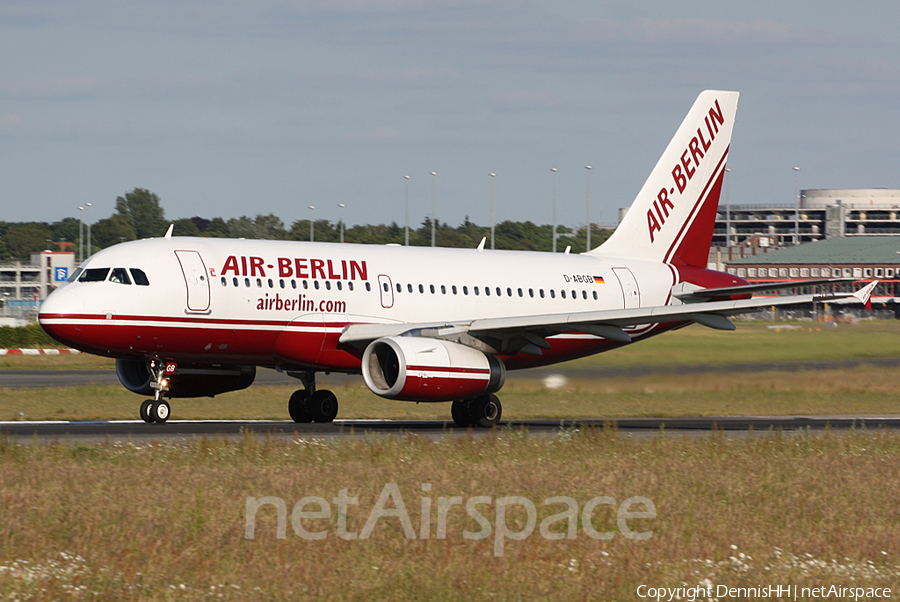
<point>157,409</point>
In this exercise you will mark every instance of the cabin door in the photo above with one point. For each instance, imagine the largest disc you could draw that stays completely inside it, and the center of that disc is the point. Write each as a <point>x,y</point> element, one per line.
<point>196,281</point>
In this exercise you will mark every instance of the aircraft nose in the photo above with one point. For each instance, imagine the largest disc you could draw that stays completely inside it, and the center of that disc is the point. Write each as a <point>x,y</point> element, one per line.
<point>57,313</point>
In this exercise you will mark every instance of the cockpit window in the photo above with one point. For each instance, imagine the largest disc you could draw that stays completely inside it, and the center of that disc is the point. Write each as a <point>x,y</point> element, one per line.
<point>140,278</point>
<point>75,275</point>
<point>94,275</point>
<point>119,275</point>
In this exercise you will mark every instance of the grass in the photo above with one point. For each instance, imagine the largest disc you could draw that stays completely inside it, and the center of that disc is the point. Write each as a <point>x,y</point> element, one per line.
<point>168,522</point>
<point>862,390</point>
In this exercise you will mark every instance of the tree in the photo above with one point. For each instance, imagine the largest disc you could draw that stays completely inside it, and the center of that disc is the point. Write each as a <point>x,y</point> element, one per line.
<point>185,227</point>
<point>111,231</point>
<point>21,240</point>
<point>143,210</point>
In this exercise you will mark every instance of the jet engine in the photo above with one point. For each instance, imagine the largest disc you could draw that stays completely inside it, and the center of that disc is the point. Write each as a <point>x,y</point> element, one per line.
<point>423,369</point>
<point>189,380</point>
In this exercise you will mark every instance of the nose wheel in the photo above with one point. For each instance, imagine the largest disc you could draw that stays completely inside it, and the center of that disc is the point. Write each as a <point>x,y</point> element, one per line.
<point>157,409</point>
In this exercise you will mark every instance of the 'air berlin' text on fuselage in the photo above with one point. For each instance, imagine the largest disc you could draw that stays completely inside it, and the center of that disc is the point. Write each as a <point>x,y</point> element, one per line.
<point>296,267</point>
<point>685,169</point>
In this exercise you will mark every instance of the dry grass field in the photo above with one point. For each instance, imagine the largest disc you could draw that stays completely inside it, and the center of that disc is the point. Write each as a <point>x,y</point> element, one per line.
<point>169,522</point>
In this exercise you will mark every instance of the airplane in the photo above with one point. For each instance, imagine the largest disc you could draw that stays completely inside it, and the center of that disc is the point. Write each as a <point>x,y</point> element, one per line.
<point>192,317</point>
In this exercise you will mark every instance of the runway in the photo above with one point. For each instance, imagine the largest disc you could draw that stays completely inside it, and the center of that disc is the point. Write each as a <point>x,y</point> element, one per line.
<point>186,430</point>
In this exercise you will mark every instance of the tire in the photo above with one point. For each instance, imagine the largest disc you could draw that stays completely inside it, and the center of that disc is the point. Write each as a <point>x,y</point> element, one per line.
<point>459,411</point>
<point>298,407</point>
<point>324,406</point>
<point>485,411</point>
<point>159,411</point>
<point>145,411</point>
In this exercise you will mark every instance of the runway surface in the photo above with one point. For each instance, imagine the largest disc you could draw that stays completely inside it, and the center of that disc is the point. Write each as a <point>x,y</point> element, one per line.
<point>186,430</point>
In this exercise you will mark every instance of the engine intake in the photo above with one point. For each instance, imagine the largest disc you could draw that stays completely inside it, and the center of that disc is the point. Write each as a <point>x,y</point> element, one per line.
<point>190,380</point>
<point>424,369</point>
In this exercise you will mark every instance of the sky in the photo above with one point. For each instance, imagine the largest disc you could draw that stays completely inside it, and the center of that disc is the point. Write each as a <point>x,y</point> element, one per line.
<point>229,108</point>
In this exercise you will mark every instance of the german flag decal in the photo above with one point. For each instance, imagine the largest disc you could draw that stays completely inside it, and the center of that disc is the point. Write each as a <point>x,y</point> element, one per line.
<point>599,280</point>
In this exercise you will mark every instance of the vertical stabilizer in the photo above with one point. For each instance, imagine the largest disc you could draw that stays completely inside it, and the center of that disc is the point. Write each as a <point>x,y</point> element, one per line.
<point>673,216</point>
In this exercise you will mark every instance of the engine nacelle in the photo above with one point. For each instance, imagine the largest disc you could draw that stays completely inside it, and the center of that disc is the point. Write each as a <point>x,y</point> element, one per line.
<point>423,369</point>
<point>189,380</point>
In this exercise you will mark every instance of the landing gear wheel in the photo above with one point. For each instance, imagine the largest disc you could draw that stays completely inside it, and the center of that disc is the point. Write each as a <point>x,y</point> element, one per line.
<point>145,411</point>
<point>459,410</point>
<point>485,411</point>
<point>298,407</point>
<point>159,411</point>
<point>323,406</point>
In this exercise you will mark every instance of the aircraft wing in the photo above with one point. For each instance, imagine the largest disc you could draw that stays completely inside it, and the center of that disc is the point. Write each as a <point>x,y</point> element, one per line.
<point>526,333</point>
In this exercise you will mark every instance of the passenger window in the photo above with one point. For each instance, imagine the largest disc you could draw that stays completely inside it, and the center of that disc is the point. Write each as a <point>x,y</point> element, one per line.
<point>234,280</point>
<point>224,281</point>
<point>562,293</point>
<point>327,285</point>
<point>520,293</point>
<point>399,288</point>
<point>584,294</point>
<point>94,275</point>
<point>139,277</point>
<point>487,291</point>
<point>509,292</point>
<point>595,295</point>
<point>542,293</point>
<point>453,289</point>
<point>368,286</point>
<point>443,290</point>
<point>247,282</point>
<point>259,283</point>
<point>409,287</point>
<point>271,284</point>
<point>421,289</point>
<point>349,286</point>
<point>552,294</point>
<point>465,290</point>
<point>498,291</point>
<point>305,284</point>
<point>316,284</point>
<point>281,283</point>
<point>385,286</point>
<point>120,276</point>
<point>475,288</point>
<point>293,284</point>
<point>339,286</point>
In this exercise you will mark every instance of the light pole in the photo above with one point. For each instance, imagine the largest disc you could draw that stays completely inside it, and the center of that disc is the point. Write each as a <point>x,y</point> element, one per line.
<point>342,205</point>
<point>312,215</point>
<point>406,229</point>
<point>493,175</point>
<point>588,168</point>
<point>88,206</point>
<point>727,209</point>
<point>554,170</point>
<point>81,236</point>
<point>797,209</point>
<point>433,179</point>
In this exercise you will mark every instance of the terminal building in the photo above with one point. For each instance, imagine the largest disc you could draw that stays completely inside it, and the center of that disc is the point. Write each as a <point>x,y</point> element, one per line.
<point>821,214</point>
<point>23,285</point>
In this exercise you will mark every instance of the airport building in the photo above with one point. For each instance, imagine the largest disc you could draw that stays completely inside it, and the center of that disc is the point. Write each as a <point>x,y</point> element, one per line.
<point>862,258</point>
<point>23,285</point>
<point>821,214</point>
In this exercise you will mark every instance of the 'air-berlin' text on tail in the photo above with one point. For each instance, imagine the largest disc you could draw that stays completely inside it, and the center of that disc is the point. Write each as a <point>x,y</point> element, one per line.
<point>673,216</point>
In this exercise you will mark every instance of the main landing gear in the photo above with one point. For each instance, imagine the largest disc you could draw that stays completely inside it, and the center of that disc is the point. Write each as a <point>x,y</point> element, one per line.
<point>157,409</point>
<point>483,411</point>
<point>310,405</point>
